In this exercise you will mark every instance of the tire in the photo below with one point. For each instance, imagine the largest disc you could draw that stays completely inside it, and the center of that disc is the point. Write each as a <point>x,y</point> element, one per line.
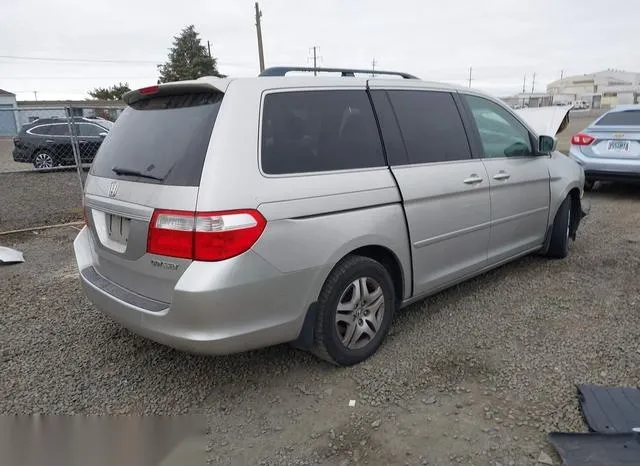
<point>345,337</point>
<point>43,160</point>
<point>559,245</point>
<point>589,185</point>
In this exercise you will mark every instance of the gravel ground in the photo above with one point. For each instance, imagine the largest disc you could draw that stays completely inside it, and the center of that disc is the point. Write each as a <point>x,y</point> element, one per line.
<point>36,199</point>
<point>477,374</point>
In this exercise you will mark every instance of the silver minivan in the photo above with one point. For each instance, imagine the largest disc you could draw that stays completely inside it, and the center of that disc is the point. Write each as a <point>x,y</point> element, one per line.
<point>224,215</point>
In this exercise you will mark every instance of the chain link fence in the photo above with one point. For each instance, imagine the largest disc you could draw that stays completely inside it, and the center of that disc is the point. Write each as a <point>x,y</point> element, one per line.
<point>45,153</point>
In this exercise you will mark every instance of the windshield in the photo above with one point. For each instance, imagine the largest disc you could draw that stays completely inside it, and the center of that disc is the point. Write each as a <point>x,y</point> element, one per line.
<point>164,139</point>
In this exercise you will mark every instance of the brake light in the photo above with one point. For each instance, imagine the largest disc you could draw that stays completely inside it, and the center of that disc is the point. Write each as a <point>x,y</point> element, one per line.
<point>204,236</point>
<point>148,90</point>
<point>582,139</point>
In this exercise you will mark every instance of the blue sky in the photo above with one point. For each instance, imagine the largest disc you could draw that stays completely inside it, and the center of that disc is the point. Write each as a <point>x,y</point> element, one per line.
<point>502,40</point>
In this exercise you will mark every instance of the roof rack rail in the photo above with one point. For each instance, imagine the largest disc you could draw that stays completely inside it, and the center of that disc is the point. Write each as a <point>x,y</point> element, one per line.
<point>283,70</point>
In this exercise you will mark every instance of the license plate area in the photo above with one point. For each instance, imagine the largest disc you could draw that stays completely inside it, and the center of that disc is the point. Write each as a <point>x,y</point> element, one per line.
<point>621,147</point>
<point>118,228</point>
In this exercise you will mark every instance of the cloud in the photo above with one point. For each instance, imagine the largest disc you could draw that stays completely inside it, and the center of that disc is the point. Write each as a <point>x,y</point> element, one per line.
<point>501,39</point>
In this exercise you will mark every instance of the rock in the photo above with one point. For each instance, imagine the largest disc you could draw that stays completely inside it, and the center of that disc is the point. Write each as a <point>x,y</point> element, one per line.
<point>544,458</point>
<point>375,424</point>
<point>303,389</point>
<point>429,401</point>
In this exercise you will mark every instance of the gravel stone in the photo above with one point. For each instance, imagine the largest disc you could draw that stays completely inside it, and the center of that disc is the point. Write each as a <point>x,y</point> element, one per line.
<point>520,336</point>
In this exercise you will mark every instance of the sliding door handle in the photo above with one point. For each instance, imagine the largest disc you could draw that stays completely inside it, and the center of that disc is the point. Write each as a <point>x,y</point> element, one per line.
<point>473,179</point>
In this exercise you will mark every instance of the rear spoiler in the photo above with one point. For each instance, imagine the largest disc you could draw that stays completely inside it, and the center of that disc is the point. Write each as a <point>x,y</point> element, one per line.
<point>204,84</point>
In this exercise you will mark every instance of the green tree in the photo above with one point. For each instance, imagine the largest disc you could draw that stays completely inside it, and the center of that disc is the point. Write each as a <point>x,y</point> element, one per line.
<point>188,59</point>
<point>114,92</point>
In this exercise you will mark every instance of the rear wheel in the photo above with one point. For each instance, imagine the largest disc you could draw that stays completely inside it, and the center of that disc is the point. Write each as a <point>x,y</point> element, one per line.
<point>559,245</point>
<point>355,310</point>
<point>43,160</point>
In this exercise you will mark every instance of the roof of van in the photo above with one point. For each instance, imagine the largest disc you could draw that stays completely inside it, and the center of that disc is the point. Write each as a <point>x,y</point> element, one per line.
<point>311,81</point>
<point>271,82</point>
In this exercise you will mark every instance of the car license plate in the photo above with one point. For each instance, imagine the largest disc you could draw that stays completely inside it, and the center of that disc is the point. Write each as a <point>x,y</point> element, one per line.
<point>118,228</point>
<point>618,146</point>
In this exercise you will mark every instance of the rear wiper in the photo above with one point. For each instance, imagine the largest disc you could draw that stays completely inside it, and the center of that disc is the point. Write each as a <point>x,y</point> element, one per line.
<point>128,171</point>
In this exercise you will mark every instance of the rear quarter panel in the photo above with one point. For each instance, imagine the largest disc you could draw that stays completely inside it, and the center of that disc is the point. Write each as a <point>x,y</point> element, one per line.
<point>314,219</point>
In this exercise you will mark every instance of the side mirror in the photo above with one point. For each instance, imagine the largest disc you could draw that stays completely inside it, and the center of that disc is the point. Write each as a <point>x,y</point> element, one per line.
<point>546,144</point>
<point>103,135</point>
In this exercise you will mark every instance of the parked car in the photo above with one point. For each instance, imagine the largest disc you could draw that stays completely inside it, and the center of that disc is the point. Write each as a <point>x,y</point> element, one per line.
<point>224,215</point>
<point>609,148</point>
<point>46,142</point>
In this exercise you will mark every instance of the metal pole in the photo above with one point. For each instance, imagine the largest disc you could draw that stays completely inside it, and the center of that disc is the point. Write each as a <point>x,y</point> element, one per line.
<point>209,48</point>
<point>470,71</point>
<point>315,61</point>
<point>259,29</point>
<point>74,145</point>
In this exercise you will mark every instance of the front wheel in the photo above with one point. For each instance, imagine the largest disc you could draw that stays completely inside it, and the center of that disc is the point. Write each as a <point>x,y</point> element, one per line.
<point>559,245</point>
<point>355,310</point>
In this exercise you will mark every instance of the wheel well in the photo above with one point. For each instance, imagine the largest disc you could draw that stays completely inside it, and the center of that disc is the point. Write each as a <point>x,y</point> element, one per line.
<point>390,262</point>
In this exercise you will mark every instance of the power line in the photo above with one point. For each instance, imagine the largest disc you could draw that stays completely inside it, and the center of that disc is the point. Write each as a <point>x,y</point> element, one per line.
<point>77,60</point>
<point>95,60</point>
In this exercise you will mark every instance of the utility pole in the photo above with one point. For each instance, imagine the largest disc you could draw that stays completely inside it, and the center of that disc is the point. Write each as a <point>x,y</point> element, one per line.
<point>524,84</point>
<point>533,84</point>
<point>315,57</point>
<point>561,74</point>
<point>35,94</point>
<point>259,29</point>
<point>315,60</point>
<point>373,67</point>
<point>209,48</point>
<point>470,71</point>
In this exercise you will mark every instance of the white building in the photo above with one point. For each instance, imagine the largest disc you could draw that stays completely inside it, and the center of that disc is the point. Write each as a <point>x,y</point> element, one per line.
<point>601,89</point>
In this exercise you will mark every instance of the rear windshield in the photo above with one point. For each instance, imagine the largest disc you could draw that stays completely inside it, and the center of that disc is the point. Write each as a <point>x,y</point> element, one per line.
<point>625,118</point>
<point>164,138</point>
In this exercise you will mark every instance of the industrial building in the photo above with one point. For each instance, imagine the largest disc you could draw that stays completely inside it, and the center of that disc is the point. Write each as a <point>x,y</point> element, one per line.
<point>606,88</point>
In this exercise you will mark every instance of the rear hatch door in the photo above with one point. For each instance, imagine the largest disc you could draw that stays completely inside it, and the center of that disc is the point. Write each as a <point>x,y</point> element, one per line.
<point>151,159</point>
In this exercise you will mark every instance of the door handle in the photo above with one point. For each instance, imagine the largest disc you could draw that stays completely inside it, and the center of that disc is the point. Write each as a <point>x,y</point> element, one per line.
<point>473,179</point>
<point>501,176</point>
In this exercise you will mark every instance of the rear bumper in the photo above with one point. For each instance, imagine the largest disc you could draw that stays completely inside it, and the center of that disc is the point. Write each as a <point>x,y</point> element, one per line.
<point>21,155</point>
<point>217,308</point>
<point>606,168</point>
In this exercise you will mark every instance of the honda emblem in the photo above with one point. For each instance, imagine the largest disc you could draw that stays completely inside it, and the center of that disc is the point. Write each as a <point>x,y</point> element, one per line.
<point>113,189</point>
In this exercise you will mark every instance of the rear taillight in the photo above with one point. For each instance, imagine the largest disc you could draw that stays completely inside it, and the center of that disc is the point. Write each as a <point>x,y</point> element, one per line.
<point>204,236</point>
<point>582,139</point>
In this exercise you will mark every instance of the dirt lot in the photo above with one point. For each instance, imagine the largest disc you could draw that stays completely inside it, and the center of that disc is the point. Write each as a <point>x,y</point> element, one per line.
<point>476,375</point>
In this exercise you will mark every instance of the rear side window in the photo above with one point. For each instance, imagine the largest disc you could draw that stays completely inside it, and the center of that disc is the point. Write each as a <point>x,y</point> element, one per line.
<point>431,126</point>
<point>625,118</point>
<point>60,129</point>
<point>86,129</point>
<point>41,130</point>
<point>164,138</point>
<point>315,131</point>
